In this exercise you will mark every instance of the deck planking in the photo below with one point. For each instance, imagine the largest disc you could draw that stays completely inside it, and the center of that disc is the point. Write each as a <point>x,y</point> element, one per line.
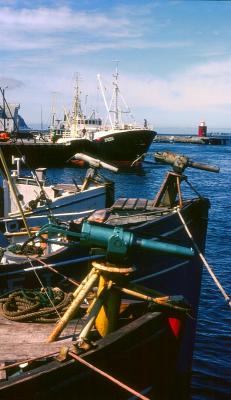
<point>20,340</point>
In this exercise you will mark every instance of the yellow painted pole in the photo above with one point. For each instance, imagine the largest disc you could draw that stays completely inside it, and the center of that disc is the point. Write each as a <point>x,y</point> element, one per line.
<point>83,283</point>
<point>72,309</point>
<point>107,319</point>
<point>92,315</point>
<point>142,296</point>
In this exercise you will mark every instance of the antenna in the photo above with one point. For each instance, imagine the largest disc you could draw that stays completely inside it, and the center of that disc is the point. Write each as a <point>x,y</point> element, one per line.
<point>53,111</point>
<point>41,117</point>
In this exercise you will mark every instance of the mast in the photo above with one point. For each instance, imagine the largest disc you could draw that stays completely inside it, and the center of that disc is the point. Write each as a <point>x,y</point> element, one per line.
<point>53,112</point>
<point>115,83</point>
<point>104,99</point>
<point>41,118</point>
<point>4,108</point>
<point>116,98</point>
<point>76,110</point>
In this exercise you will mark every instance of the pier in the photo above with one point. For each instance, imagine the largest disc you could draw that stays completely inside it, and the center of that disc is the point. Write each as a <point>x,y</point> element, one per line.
<point>215,140</point>
<point>202,137</point>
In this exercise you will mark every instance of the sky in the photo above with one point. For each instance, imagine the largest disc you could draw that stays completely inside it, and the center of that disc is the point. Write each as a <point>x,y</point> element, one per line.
<point>173,57</point>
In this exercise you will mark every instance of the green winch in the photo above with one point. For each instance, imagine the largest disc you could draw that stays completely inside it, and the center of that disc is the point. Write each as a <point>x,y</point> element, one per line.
<point>117,242</point>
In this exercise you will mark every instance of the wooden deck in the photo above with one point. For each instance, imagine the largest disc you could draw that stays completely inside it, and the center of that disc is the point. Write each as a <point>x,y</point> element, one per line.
<point>20,341</point>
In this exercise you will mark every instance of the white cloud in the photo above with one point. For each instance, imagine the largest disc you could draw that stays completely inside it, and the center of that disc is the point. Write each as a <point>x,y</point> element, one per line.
<point>207,86</point>
<point>63,19</point>
<point>62,28</point>
<point>42,49</point>
<point>200,92</point>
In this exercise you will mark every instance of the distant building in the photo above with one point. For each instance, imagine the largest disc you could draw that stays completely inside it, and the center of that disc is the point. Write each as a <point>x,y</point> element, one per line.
<point>11,120</point>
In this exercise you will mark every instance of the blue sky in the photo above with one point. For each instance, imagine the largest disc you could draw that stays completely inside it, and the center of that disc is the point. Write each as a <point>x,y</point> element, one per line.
<point>174,57</point>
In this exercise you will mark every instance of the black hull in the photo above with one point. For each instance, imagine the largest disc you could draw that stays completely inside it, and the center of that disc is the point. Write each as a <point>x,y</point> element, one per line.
<point>142,355</point>
<point>123,147</point>
<point>43,154</point>
<point>118,148</point>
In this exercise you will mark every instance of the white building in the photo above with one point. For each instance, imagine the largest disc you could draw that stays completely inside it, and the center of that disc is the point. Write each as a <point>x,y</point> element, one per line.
<point>9,117</point>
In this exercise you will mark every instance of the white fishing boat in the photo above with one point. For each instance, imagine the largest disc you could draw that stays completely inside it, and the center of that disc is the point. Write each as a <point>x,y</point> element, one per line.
<point>115,141</point>
<point>39,201</point>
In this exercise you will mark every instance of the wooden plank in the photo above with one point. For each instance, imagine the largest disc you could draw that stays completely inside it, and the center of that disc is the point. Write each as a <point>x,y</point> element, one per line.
<point>15,352</point>
<point>130,204</point>
<point>150,205</point>
<point>20,340</point>
<point>141,204</point>
<point>3,375</point>
<point>119,203</point>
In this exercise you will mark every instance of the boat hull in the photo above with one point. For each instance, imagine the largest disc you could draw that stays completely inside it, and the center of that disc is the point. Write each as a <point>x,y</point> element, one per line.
<point>122,147</point>
<point>141,354</point>
<point>43,154</point>
<point>168,274</point>
<point>66,208</point>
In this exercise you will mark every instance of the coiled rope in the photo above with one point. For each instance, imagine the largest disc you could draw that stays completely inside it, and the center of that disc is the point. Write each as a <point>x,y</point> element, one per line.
<point>33,305</point>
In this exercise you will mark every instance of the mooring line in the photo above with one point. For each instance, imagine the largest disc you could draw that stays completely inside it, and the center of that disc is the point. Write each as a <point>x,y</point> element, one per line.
<point>209,269</point>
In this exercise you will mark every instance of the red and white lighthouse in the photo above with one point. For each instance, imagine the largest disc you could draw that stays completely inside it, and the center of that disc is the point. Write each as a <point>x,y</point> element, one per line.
<point>202,129</point>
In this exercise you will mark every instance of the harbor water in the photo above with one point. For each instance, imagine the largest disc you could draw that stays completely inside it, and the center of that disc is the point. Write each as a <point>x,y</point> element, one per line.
<point>211,374</point>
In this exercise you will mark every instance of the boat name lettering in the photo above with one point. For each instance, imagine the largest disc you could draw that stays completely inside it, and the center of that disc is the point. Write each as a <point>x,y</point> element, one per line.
<point>109,139</point>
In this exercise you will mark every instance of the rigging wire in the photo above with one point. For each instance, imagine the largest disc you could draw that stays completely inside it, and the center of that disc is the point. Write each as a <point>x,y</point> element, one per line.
<point>209,269</point>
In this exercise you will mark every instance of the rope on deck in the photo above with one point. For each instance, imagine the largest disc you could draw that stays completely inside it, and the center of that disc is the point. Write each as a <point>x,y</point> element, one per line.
<point>209,269</point>
<point>32,304</point>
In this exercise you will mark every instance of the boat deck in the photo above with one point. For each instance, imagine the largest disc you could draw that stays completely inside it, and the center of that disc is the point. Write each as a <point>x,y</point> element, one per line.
<point>24,340</point>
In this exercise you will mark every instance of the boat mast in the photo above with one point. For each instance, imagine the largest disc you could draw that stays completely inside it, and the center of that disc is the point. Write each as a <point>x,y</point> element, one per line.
<point>113,107</point>
<point>115,83</point>
<point>41,118</point>
<point>76,110</point>
<point>116,99</point>
<point>53,113</point>
<point>4,108</point>
<point>104,99</point>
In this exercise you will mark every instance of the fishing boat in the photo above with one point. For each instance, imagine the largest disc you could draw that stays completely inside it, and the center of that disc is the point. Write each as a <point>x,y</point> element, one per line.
<point>133,350</point>
<point>169,216</point>
<point>30,195</point>
<point>121,144</point>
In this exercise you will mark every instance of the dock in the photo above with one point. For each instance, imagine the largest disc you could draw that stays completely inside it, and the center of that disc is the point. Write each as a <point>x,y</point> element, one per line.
<point>214,140</point>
